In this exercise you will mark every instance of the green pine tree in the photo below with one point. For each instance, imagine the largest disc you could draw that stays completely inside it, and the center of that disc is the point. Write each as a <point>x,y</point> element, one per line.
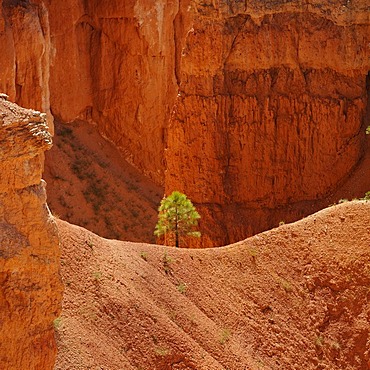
<point>177,216</point>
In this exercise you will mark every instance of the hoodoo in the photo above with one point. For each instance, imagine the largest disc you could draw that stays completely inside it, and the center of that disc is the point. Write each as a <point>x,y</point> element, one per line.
<point>31,290</point>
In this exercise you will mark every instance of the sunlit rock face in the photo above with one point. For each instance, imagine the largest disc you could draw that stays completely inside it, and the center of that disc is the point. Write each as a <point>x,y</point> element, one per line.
<point>31,290</point>
<point>270,111</point>
<point>252,108</point>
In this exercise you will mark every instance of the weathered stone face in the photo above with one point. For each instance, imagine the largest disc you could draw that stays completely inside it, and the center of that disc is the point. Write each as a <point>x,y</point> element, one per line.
<point>248,107</point>
<point>270,111</point>
<point>31,290</point>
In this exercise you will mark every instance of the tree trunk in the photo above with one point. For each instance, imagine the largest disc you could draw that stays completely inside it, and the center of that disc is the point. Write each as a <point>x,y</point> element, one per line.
<point>176,231</point>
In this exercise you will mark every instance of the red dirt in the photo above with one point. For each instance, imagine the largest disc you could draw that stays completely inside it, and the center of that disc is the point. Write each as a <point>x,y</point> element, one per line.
<point>91,185</point>
<point>295,297</point>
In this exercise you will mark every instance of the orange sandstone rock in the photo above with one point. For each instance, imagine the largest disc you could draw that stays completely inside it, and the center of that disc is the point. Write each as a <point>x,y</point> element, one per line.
<point>106,62</point>
<point>252,108</point>
<point>31,291</point>
<point>113,64</point>
<point>25,54</point>
<point>270,111</point>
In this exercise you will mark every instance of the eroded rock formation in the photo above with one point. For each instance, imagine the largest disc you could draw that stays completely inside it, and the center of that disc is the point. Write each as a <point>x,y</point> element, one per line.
<point>116,61</point>
<point>99,61</point>
<point>270,111</point>
<point>30,294</point>
<point>249,107</point>
<point>25,54</point>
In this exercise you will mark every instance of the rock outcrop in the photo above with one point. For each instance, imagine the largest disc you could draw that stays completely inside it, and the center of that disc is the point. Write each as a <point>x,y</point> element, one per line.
<point>270,111</point>
<point>103,62</point>
<point>252,108</point>
<point>116,63</point>
<point>25,54</point>
<point>31,290</point>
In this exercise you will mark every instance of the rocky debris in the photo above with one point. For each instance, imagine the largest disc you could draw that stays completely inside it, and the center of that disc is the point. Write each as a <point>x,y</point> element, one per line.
<point>31,290</point>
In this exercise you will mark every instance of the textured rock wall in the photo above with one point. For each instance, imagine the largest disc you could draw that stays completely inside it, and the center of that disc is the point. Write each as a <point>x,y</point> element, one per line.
<point>116,62</point>
<point>106,62</point>
<point>25,54</point>
<point>270,111</point>
<point>31,293</point>
<point>252,108</point>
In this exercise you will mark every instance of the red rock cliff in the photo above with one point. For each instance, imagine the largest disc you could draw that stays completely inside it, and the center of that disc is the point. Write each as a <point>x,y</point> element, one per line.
<point>25,54</point>
<point>270,111</point>
<point>106,62</point>
<point>113,64</point>
<point>268,98</point>
<point>31,293</point>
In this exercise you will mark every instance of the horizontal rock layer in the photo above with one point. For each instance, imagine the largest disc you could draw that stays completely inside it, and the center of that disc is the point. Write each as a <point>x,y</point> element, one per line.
<point>248,105</point>
<point>270,112</point>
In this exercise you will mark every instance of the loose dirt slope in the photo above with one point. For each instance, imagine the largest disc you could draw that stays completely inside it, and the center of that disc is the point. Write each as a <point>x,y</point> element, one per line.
<point>91,185</point>
<point>295,297</point>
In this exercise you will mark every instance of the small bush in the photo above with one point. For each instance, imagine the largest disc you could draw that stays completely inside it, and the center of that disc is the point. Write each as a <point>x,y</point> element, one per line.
<point>286,285</point>
<point>319,341</point>
<point>97,275</point>
<point>161,351</point>
<point>182,288</point>
<point>342,201</point>
<point>225,336</point>
<point>167,261</point>
<point>57,323</point>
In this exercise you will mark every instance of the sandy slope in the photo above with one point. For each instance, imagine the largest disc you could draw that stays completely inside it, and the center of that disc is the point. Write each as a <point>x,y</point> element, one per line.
<point>295,297</point>
<point>91,185</point>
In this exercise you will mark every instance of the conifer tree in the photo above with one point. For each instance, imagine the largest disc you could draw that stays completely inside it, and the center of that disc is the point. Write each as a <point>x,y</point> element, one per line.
<point>178,217</point>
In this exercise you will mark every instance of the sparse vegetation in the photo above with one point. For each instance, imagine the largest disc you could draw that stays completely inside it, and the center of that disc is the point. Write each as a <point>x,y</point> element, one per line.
<point>335,345</point>
<point>319,341</point>
<point>177,217</point>
<point>55,215</point>
<point>253,252</point>
<point>65,132</point>
<point>182,288</point>
<point>366,196</point>
<point>167,261</point>
<point>97,275</point>
<point>286,285</point>
<point>144,256</point>
<point>225,336</point>
<point>344,200</point>
<point>57,323</point>
<point>161,351</point>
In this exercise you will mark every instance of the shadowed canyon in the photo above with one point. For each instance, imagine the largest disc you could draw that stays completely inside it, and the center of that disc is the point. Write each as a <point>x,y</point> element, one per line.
<point>257,110</point>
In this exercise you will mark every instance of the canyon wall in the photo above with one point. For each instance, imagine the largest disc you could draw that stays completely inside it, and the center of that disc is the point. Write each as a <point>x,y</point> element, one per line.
<point>105,62</point>
<point>25,54</point>
<point>254,109</point>
<point>270,110</point>
<point>113,65</point>
<point>31,290</point>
